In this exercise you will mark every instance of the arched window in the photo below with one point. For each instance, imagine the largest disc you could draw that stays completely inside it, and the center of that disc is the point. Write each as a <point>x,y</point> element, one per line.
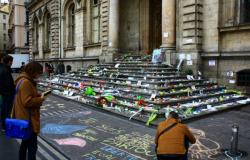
<point>95,20</point>
<point>35,35</point>
<point>71,25</point>
<point>245,11</point>
<point>243,77</point>
<point>47,31</point>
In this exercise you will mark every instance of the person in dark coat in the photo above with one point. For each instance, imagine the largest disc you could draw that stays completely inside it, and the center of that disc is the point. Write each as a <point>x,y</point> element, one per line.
<point>1,66</point>
<point>7,88</point>
<point>22,67</point>
<point>60,68</point>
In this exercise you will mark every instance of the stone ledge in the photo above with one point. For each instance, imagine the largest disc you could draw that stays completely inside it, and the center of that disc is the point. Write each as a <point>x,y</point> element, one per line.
<point>92,45</point>
<point>235,28</point>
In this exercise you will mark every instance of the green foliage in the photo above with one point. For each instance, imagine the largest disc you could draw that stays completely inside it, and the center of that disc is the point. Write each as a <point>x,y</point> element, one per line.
<point>187,71</point>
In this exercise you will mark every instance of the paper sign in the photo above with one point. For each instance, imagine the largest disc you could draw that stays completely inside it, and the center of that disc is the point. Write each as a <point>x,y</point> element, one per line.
<point>232,81</point>
<point>165,34</point>
<point>139,83</point>
<point>153,96</point>
<point>189,63</point>
<point>211,62</point>
<point>182,56</point>
<point>110,44</point>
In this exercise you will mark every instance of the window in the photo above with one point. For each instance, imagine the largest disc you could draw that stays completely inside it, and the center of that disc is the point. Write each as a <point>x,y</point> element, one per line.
<point>4,26</point>
<point>35,35</point>
<point>47,31</point>
<point>245,11</point>
<point>71,26</point>
<point>4,37</point>
<point>4,47</point>
<point>26,35</point>
<point>4,16</point>
<point>27,18</point>
<point>243,78</point>
<point>95,20</point>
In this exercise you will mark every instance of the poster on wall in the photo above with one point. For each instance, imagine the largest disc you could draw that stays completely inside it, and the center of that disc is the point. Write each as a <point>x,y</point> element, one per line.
<point>158,56</point>
<point>211,62</point>
<point>189,63</point>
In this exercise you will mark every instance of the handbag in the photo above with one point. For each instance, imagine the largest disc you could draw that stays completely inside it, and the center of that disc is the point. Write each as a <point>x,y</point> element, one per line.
<point>165,130</point>
<point>17,128</point>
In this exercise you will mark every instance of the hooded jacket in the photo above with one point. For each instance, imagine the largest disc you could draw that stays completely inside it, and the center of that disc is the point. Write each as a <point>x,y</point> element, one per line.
<point>172,142</point>
<point>27,100</point>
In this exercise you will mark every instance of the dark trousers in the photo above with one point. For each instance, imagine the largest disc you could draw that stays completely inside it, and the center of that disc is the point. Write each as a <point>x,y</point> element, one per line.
<point>175,157</point>
<point>6,107</point>
<point>29,145</point>
<point>170,157</point>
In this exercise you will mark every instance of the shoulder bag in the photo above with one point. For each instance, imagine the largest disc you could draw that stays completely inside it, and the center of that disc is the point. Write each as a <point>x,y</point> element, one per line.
<point>17,128</point>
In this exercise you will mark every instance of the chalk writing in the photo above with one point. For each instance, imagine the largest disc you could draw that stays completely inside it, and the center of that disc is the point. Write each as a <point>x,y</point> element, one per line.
<point>87,134</point>
<point>119,153</point>
<point>110,153</point>
<point>133,142</point>
<point>98,155</point>
<point>61,129</point>
<point>71,142</point>
<point>204,148</point>
<point>77,115</point>
<point>94,123</point>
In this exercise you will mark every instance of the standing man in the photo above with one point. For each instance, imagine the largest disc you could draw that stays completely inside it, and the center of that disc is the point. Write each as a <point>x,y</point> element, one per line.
<point>7,89</point>
<point>172,139</point>
<point>22,67</point>
<point>1,67</point>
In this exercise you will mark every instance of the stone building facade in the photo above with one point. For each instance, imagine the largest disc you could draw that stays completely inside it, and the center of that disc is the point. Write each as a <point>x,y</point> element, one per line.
<point>4,25</point>
<point>211,36</point>
<point>18,28</point>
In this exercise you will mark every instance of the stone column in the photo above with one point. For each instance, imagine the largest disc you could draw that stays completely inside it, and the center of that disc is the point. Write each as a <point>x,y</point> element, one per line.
<point>113,43</point>
<point>168,28</point>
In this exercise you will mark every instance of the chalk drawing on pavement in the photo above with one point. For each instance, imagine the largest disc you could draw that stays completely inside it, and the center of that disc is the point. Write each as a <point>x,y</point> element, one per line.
<point>61,129</point>
<point>77,114</point>
<point>94,123</point>
<point>87,134</point>
<point>133,143</point>
<point>71,142</point>
<point>204,148</point>
<point>110,153</point>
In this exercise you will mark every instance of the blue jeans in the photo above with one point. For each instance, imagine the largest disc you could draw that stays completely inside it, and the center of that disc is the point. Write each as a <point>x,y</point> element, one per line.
<point>29,145</point>
<point>6,107</point>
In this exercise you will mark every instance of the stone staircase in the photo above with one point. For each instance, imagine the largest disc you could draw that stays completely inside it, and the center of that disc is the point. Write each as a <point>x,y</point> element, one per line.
<point>134,87</point>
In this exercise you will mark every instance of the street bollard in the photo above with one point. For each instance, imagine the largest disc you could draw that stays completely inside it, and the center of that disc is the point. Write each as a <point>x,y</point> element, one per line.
<point>234,140</point>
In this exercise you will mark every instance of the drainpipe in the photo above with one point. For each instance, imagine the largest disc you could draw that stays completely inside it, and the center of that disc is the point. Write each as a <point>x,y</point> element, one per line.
<point>60,26</point>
